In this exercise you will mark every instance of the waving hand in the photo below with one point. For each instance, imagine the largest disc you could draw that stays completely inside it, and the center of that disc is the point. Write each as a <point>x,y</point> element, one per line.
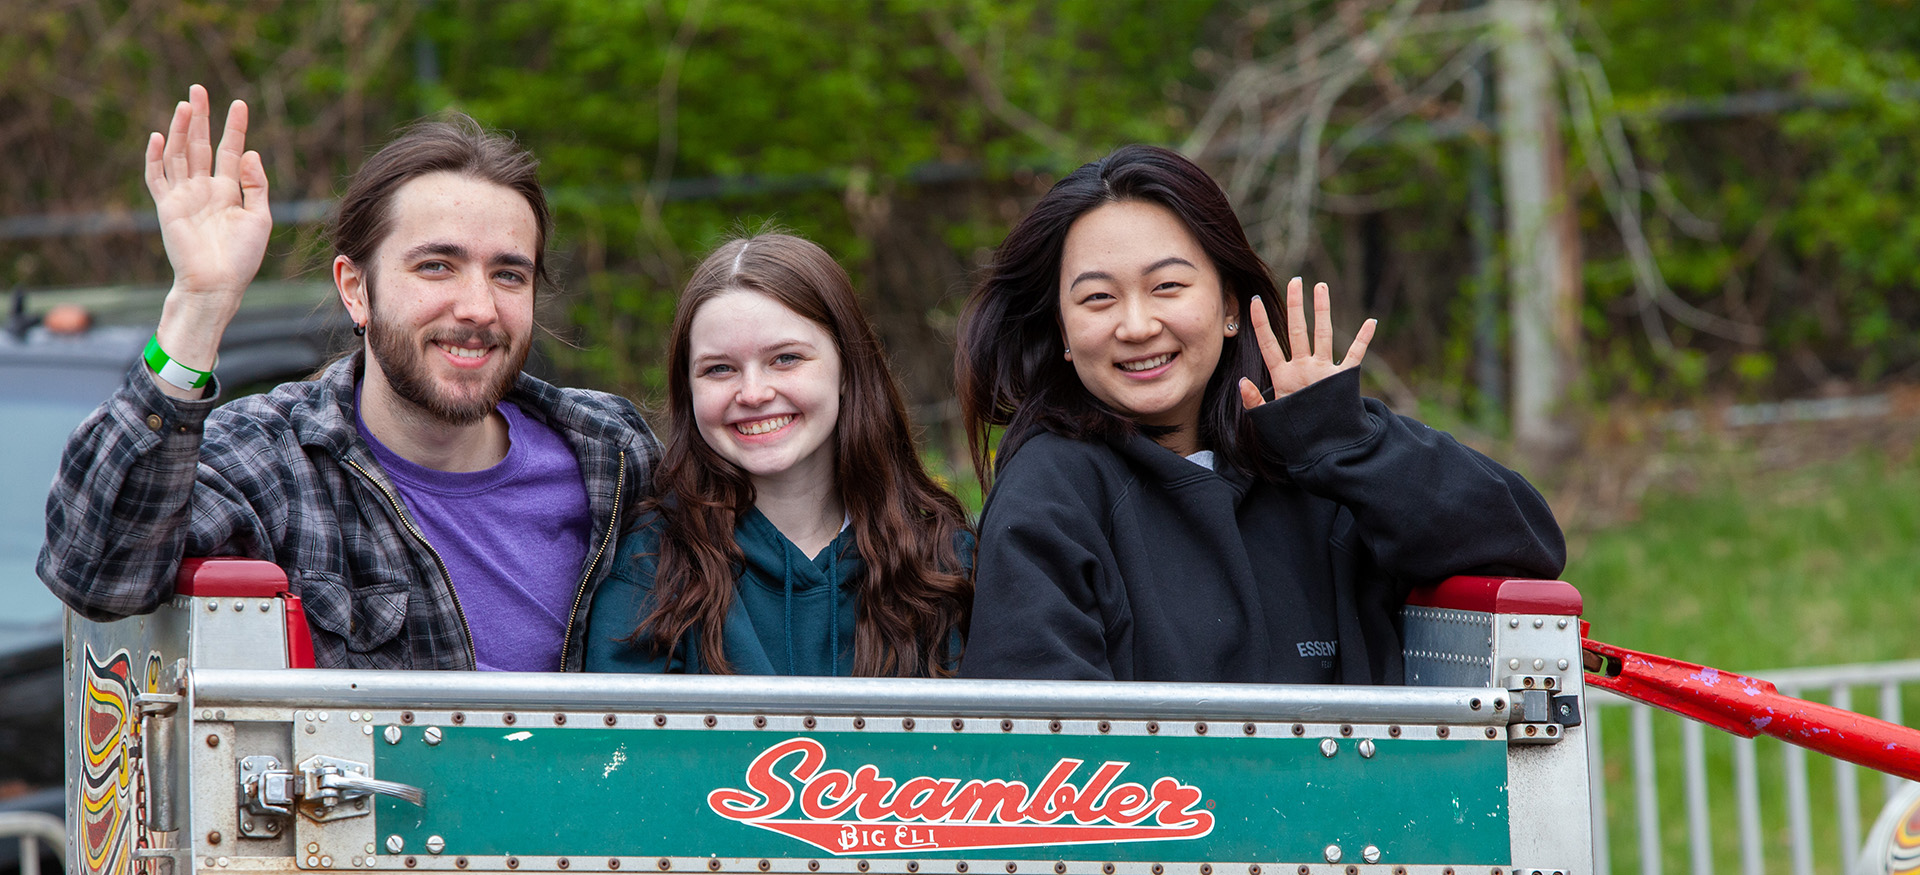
<point>1310,363</point>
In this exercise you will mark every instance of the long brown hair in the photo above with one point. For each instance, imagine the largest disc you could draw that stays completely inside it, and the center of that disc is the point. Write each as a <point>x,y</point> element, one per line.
<point>913,594</point>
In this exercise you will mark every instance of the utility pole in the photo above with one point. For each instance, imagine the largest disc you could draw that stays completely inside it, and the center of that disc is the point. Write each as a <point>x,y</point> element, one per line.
<point>1543,253</point>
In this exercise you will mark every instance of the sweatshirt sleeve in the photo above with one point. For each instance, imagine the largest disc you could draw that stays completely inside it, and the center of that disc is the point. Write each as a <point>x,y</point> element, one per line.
<point>132,496</point>
<point>1425,506</point>
<point>1041,569</point>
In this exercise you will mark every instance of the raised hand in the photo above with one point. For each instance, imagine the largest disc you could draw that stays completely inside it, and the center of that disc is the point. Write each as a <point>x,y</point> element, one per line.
<point>214,221</point>
<point>1310,363</point>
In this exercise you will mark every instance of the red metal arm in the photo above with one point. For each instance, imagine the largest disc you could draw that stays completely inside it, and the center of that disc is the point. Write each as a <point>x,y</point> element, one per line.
<point>1748,706</point>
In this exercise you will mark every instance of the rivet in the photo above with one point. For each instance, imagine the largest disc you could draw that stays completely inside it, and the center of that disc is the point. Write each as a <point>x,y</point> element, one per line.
<point>1549,683</point>
<point>460,862</point>
<point>1299,729</point>
<point>1060,868</point>
<point>1538,623</point>
<point>1253,869</point>
<point>1366,750</point>
<point>710,721</point>
<point>1200,729</point>
<point>413,862</point>
<point>396,844</point>
<point>264,606</point>
<point>713,864</point>
<point>311,730</point>
<point>1012,868</point>
<point>1563,664</point>
<point>960,866</point>
<point>906,723</point>
<point>1499,704</point>
<point>406,717</point>
<point>323,719</point>
<point>326,862</point>
<point>664,864</point>
<point>1539,664</point>
<point>659,719</point>
<point>392,734</point>
<point>1106,869</point>
<point>766,864</point>
<point>310,716</point>
<point>1393,731</point>
<point>1248,729</point>
<point>1513,623</point>
<point>1441,731</point>
<point>1329,747</point>
<point>353,717</point>
<point>759,721</point>
<point>1103,726</point>
<point>809,722</point>
<point>613,862</point>
<point>959,724</point>
<point>862,865</point>
<point>813,865</point>
<point>212,605</point>
<point>1492,732</point>
<point>1303,870</point>
<point>1053,726</point>
<point>1333,853</point>
<point>610,720</point>
<point>459,717</point>
<point>559,719</point>
<point>436,844</point>
<point>1346,730</point>
<point>1399,870</point>
<point>1563,622</point>
<point>513,862</point>
<point>239,606</point>
<point>859,722</point>
<point>563,863</point>
<point>432,735</point>
<point>213,740</point>
<point>1158,869</point>
<point>1153,727</point>
<point>508,718</point>
<point>1532,730</point>
<point>1527,681</point>
<point>313,862</point>
<point>1473,704</point>
<point>1353,870</point>
<point>313,847</point>
<point>1552,729</point>
<point>1370,854</point>
<point>213,838</point>
<point>1006,726</point>
<point>1206,869</point>
<point>366,730</point>
<point>1513,663</point>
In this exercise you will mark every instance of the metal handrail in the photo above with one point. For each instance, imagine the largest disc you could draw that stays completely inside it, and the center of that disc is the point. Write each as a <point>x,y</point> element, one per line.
<point>32,828</point>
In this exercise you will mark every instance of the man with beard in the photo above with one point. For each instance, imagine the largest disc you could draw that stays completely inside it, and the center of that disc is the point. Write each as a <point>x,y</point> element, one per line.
<point>433,506</point>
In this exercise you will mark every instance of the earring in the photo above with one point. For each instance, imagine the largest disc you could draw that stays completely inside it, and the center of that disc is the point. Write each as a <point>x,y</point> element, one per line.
<point>1233,326</point>
<point>360,330</point>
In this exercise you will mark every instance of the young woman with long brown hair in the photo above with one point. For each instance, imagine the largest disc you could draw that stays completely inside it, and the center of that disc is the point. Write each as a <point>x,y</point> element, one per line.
<point>793,530</point>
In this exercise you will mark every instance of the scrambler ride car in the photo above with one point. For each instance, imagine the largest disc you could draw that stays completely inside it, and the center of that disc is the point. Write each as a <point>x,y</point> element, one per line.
<point>201,740</point>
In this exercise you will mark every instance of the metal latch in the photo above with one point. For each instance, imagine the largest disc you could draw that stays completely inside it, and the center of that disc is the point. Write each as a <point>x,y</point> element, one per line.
<point>1540,715</point>
<point>322,788</point>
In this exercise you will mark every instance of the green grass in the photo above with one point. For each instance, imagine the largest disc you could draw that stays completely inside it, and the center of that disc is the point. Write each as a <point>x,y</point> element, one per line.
<point>1748,569</point>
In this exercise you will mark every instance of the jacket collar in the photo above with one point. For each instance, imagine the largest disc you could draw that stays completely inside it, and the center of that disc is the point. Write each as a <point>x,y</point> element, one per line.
<point>1174,471</point>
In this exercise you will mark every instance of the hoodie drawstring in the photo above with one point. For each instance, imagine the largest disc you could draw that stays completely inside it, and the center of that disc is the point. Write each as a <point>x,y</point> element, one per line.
<point>786,578</point>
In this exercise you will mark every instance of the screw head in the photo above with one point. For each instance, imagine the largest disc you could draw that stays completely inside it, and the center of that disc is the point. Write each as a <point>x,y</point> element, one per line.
<point>1370,854</point>
<point>1328,747</point>
<point>1333,853</point>
<point>1366,750</point>
<point>433,735</point>
<point>396,844</point>
<point>436,844</point>
<point>392,734</point>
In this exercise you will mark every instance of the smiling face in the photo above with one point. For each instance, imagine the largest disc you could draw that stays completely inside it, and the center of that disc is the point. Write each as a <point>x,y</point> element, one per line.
<point>1144,315</point>
<point>451,287</point>
<point>766,387</point>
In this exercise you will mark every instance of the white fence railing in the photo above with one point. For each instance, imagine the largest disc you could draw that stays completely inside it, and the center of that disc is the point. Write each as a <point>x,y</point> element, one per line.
<point>33,829</point>
<point>1765,814</point>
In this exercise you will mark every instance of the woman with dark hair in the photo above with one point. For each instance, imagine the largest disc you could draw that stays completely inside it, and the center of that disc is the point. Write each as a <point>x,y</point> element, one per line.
<point>794,530</point>
<point>1178,497</point>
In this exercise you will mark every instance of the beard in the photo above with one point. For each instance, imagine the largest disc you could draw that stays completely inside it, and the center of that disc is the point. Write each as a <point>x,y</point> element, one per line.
<point>402,360</point>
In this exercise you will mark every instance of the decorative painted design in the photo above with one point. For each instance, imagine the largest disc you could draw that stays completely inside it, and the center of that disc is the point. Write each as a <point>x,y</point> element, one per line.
<point>1903,847</point>
<point>107,725</point>
<point>862,812</point>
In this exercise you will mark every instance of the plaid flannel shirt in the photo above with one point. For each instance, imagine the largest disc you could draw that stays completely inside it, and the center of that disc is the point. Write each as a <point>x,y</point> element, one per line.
<point>286,477</point>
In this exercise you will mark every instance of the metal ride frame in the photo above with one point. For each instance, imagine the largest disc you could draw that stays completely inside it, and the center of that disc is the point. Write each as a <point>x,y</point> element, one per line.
<point>199,741</point>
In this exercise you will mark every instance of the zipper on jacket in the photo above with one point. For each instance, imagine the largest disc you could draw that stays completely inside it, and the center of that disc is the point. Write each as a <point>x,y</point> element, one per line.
<point>473,655</point>
<point>580,591</point>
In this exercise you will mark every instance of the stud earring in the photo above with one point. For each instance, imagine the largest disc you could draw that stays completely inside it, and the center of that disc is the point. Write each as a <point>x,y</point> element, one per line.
<point>360,330</point>
<point>1233,326</point>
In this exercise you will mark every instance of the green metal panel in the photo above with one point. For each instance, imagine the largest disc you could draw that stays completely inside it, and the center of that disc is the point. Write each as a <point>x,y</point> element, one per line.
<point>593,791</point>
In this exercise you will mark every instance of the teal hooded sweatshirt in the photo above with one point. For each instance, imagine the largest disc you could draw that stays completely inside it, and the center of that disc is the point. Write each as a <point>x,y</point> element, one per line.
<point>792,614</point>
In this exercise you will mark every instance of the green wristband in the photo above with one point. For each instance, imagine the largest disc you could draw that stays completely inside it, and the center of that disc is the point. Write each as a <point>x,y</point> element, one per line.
<point>173,372</point>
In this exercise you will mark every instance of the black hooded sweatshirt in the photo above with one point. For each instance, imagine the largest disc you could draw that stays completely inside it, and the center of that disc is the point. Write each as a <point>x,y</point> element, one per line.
<point>1126,561</point>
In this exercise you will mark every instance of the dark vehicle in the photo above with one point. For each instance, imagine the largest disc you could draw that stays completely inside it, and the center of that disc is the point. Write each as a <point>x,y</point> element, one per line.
<point>49,381</point>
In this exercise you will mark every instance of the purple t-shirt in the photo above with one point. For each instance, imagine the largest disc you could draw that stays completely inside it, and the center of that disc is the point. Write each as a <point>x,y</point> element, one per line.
<point>514,538</point>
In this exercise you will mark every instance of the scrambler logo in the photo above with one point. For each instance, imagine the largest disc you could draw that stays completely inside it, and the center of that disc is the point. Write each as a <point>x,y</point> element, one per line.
<point>864,813</point>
